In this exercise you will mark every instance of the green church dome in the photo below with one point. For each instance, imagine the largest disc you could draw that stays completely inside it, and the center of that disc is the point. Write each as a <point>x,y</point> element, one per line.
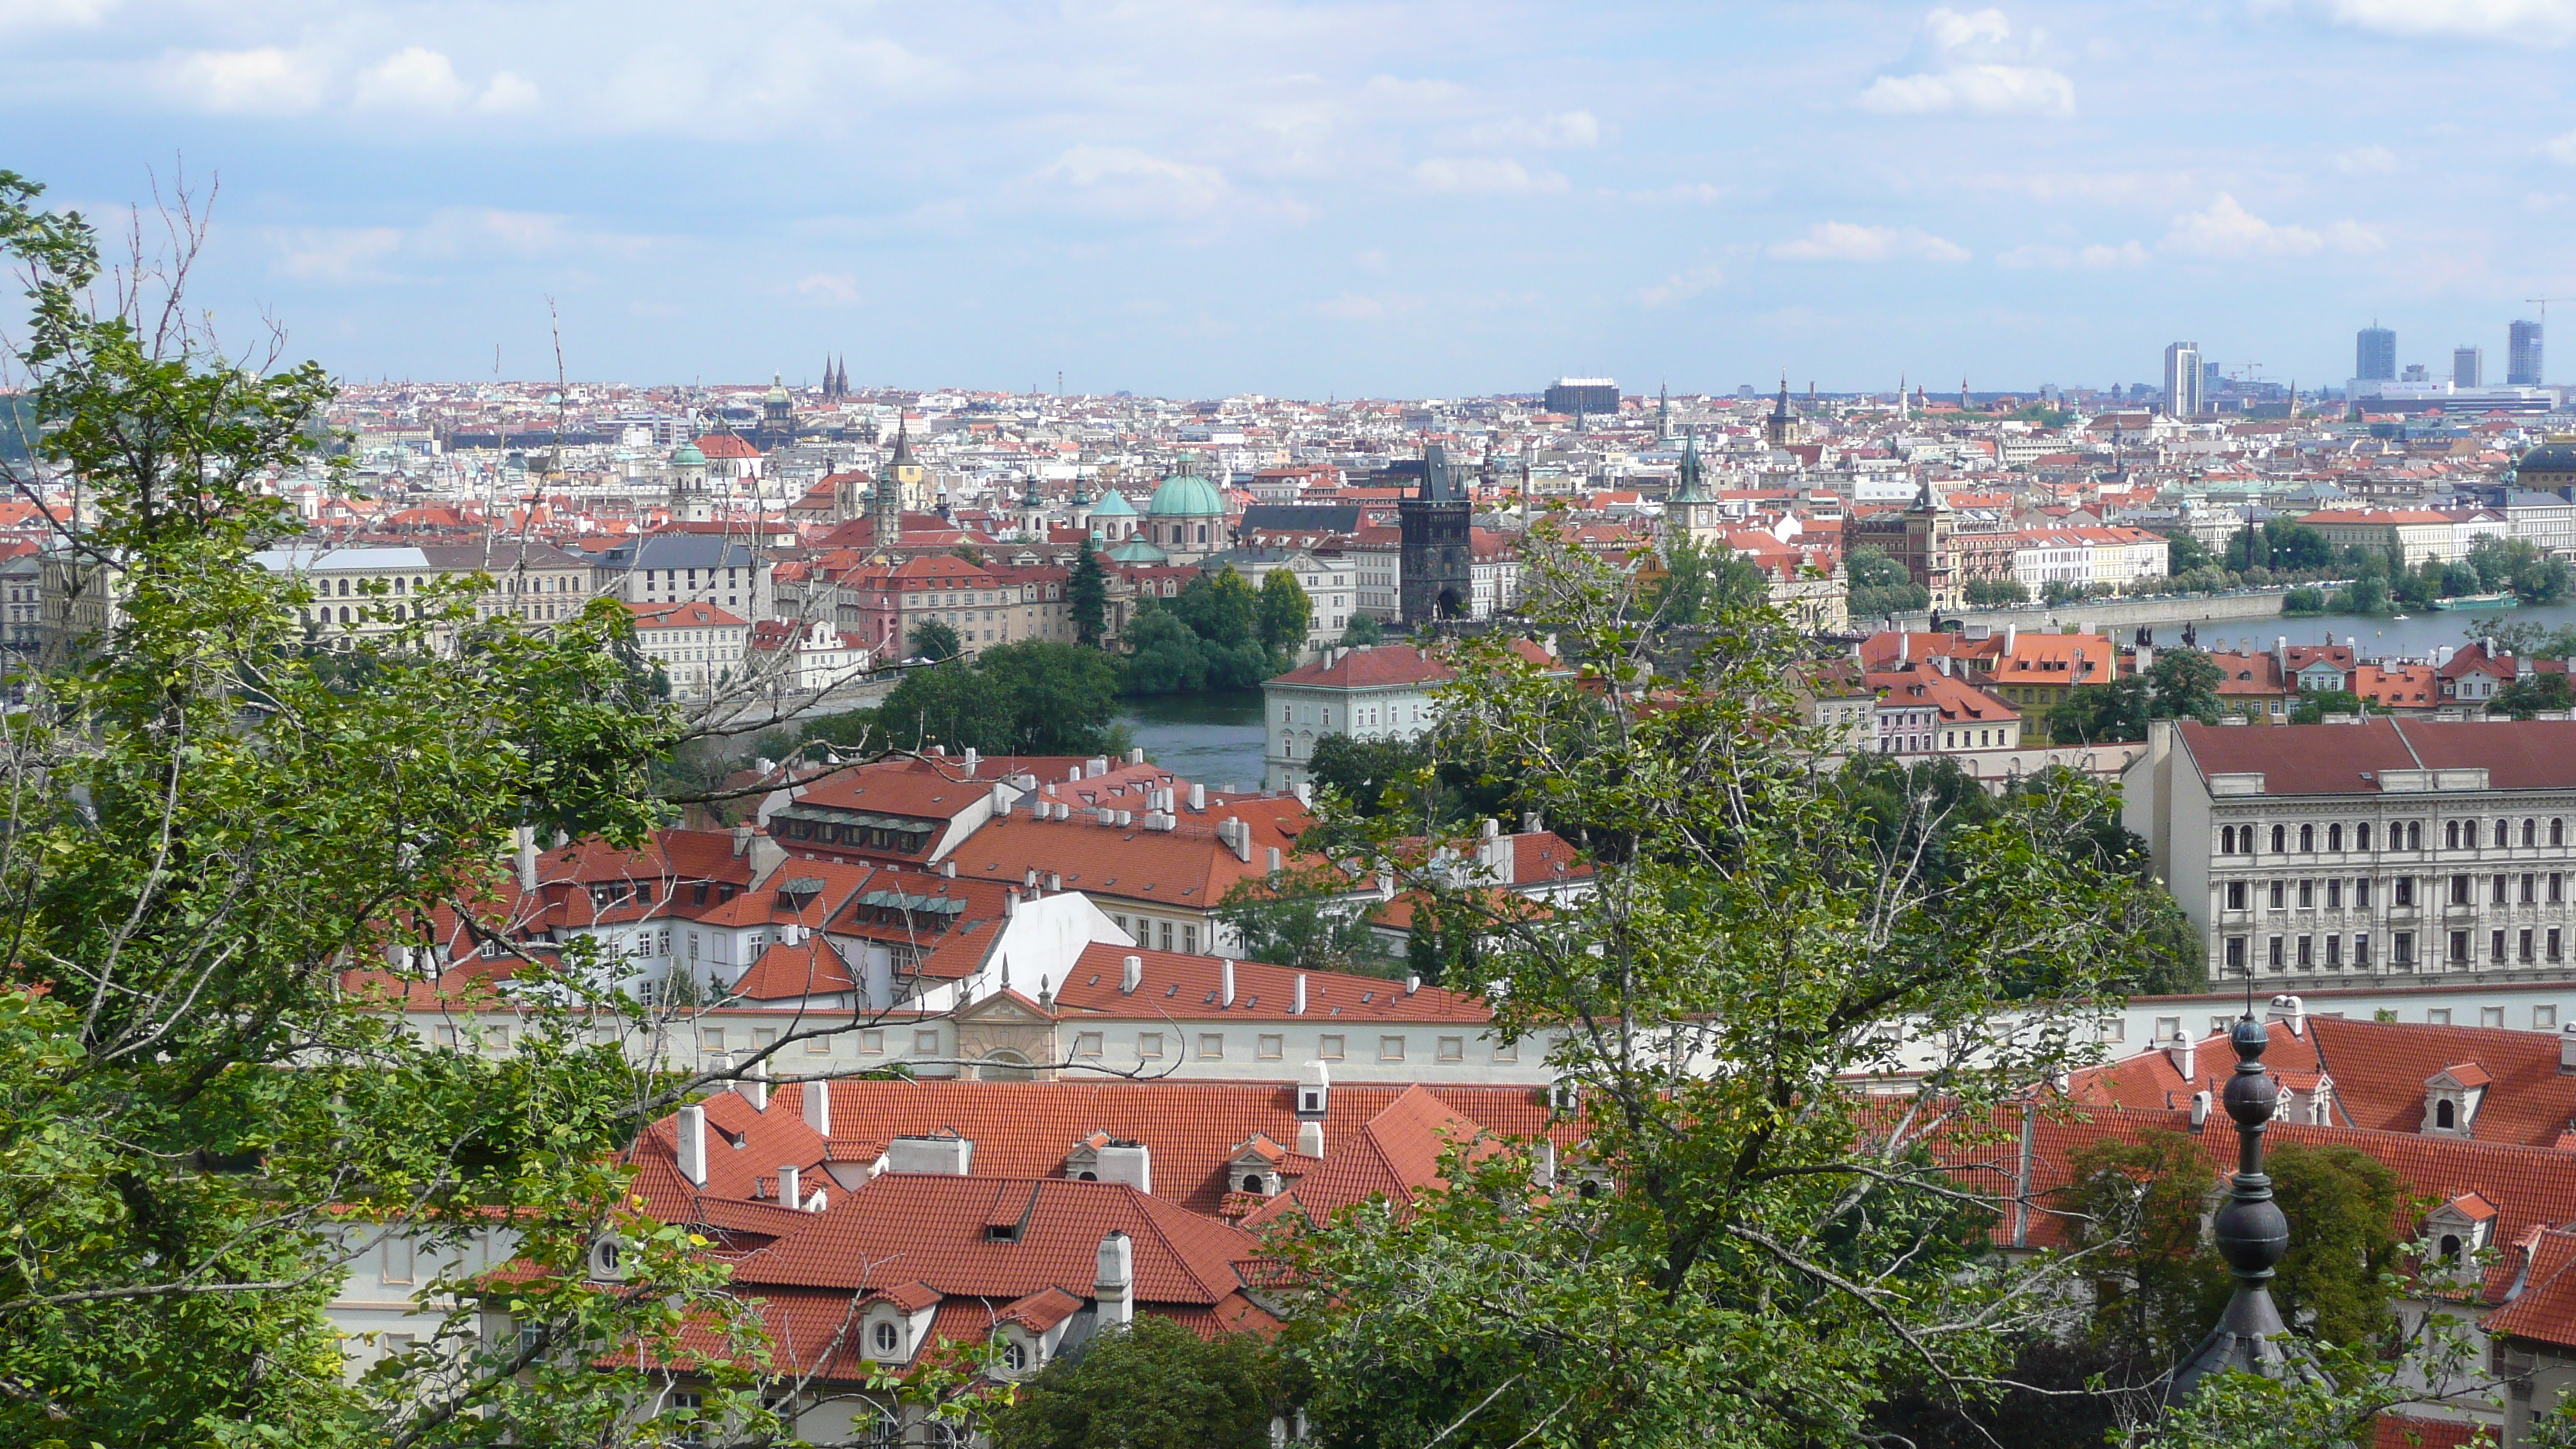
<point>688,456</point>
<point>1183,496</point>
<point>1113,504</point>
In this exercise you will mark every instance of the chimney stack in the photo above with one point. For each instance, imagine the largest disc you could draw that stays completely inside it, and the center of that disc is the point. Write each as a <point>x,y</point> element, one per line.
<point>1198,799</point>
<point>1274,856</point>
<point>818,1107</point>
<point>524,845</point>
<point>1136,756</point>
<point>754,1085</point>
<point>741,840</point>
<point>691,1132</point>
<point>1225,983</point>
<point>1131,974</point>
<point>1298,1007</point>
<point>787,1192</point>
<point>1310,1138</point>
<point>2182,1052</point>
<point>1412,984</point>
<point>2199,1110</point>
<point>2567,1049</point>
<point>1114,1281</point>
<point>2291,1010</point>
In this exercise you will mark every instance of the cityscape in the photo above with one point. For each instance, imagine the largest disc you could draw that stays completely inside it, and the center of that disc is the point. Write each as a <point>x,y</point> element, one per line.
<point>1288,727</point>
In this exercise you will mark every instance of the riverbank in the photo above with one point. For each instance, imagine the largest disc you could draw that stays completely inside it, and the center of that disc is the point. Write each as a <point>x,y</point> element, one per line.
<point>2100,614</point>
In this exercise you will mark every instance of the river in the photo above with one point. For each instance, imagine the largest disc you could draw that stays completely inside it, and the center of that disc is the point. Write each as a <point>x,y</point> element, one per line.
<point>1212,738</point>
<point>2414,637</point>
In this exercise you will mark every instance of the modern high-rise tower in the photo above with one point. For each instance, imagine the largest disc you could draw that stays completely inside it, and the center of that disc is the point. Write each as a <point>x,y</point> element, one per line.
<point>2182,380</point>
<point>2468,367</point>
<point>2374,354</point>
<point>2522,355</point>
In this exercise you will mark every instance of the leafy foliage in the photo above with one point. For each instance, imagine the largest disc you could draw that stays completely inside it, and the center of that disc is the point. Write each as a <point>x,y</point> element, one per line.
<point>1087,597</point>
<point>1035,696</point>
<point>1153,1385</point>
<point>1880,585</point>
<point>1205,637</point>
<point>1304,920</point>
<point>1363,632</point>
<point>1286,612</point>
<point>934,640</point>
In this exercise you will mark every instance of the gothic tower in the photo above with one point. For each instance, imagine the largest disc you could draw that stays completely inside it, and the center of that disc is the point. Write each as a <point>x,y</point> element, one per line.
<point>1437,572</point>
<point>899,476</point>
<point>1776,428</point>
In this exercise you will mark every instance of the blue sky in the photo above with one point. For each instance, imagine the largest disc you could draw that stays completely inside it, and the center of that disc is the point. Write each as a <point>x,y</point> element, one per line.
<point>1366,198</point>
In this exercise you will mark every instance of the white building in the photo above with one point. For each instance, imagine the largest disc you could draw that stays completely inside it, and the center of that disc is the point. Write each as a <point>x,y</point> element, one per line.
<point>696,645</point>
<point>1330,580</point>
<point>1381,693</point>
<point>1377,573</point>
<point>815,657</point>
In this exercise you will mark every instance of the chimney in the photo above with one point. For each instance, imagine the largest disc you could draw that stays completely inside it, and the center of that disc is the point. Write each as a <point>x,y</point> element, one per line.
<point>1314,1091</point>
<point>1274,852</point>
<point>1136,756</point>
<point>947,1154</point>
<point>741,840</point>
<point>1131,974</point>
<point>1010,901</point>
<point>524,843</point>
<point>2281,654</point>
<point>787,1192</point>
<point>948,868</point>
<point>1904,646</point>
<point>2199,1110</point>
<point>1055,882</point>
<point>2567,1049</point>
<point>818,1107</point>
<point>1532,822</point>
<point>2181,1052</point>
<point>1096,766</point>
<point>1198,799</point>
<point>754,1086</point>
<point>1029,878</point>
<point>692,1135</point>
<point>1310,1138</point>
<point>1412,984</point>
<point>1001,798</point>
<point>1225,983</point>
<point>1543,1163</point>
<point>2292,1010</point>
<point>970,762</point>
<point>1129,1162</point>
<point>1114,1282</point>
<point>1942,663</point>
<point>1305,794</point>
<point>2012,633</point>
<point>1298,1006</point>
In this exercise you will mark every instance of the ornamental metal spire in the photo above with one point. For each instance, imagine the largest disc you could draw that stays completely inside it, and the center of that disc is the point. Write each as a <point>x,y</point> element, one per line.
<point>2252,1234</point>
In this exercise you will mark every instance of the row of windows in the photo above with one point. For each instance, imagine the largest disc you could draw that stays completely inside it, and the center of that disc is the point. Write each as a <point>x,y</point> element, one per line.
<point>2505,946</point>
<point>2543,1018</point>
<point>2402,835</point>
<point>2500,888</point>
<point>1144,933</point>
<point>1272,1046</point>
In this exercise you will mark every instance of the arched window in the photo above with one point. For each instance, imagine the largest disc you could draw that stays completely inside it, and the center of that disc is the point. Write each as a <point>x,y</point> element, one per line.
<point>2450,835</point>
<point>1015,1356</point>
<point>2280,839</point>
<point>2307,839</point>
<point>2334,837</point>
<point>2450,1247</point>
<point>2502,835</point>
<point>2531,832</point>
<point>2445,1116</point>
<point>2361,836</point>
<point>2414,835</point>
<point>2557,832</point>
<point>344,588</point>
<point>399,581</point>
<point>2227,840</point>
<point>1252,1182</point>
<point>344,613</point>
<point>884,1337</point>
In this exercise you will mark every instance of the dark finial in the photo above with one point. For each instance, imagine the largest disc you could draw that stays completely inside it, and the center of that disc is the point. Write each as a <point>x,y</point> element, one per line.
<point>2251,1233</point>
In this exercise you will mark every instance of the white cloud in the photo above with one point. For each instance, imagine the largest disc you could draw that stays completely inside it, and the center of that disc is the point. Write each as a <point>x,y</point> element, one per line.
<point>336,254</point>
<point>2545,21</point>
<point>842,287</point>
<point>1483,173</point>
<point>2041,254</point>
<point>52,14</point>
<point>506,94</point>
<point>2228,230</point>
<point>1682,191</point>
<point>1557,130</point>
<point>1683,285</point>
<point>2561,148</point>
<point>265,81</point>
<point>2366,161</point>
<point>1843,241</point>
<point>1127,181</point>
<point>1352,307</point>
<point>411,79</point>
<point>1968,62</point>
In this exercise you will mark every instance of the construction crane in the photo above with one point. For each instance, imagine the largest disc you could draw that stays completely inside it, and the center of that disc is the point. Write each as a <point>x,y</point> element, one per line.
<point>2543,304</point>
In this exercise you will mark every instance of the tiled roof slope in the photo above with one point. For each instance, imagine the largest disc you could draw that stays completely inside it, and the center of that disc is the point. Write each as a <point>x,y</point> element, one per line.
<point>2333,759</point>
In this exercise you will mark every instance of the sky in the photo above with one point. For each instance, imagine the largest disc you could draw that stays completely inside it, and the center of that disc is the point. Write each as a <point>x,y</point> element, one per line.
<point>1373,198</point>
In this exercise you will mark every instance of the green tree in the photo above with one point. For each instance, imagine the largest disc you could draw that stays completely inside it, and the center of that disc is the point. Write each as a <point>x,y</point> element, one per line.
<point>1087,595</point>
<point>2183,684</point>
<point>2342,1205</point>
<point>2137,1204</point>
<point>2312,708</point>
<point>2304,601</point>
<point>1880,586</point>
<point>203,1122</point>
<point>1163,655</point>
<point>2185,553</point>
<point>1988,593</point>
<point>2526,696</point>
<point>1286,613</point>
<point>1697,1274</point>
<point>1306,920</point>
<point>1374,776</point>
<point>1220,608</point>
<point>1035,696</point>
<point>1365,632</point>
<point>933,640</point>
<point>1153,1385</point>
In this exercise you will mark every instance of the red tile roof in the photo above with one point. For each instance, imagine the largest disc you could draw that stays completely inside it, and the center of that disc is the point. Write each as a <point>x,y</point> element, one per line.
<point>1380,667</point>
<point>2340,759</point>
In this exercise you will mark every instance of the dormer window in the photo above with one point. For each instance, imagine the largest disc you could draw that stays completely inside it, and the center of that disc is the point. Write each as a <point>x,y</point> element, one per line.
<point>2451,1100</point>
